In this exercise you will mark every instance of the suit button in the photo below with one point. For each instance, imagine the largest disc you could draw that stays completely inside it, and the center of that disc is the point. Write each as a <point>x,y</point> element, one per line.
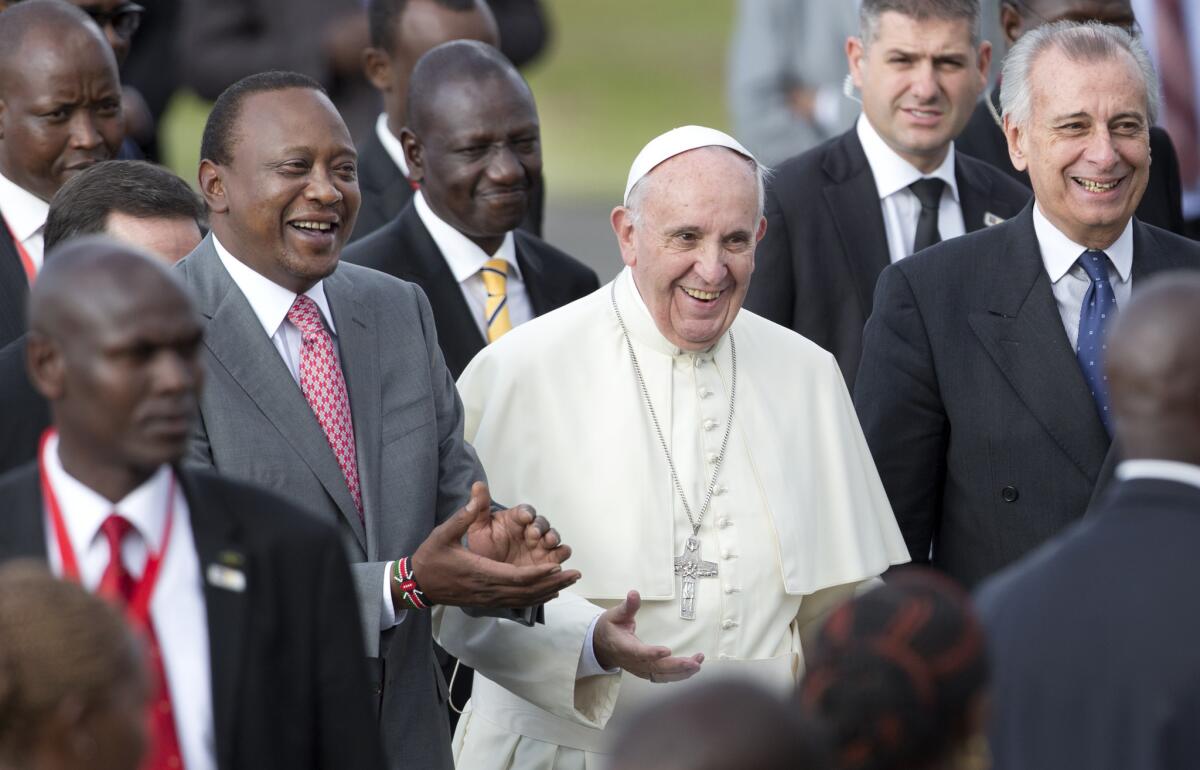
<point>1009,494</point>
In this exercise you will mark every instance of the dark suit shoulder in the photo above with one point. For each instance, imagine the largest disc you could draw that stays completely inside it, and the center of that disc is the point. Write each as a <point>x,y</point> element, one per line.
<point>554,259</point>
<point>20,478</point>
<point>391,246</point>
<point>1001,187</point>
<point>835,158</point>
<point>959,255</point>
<point>1184,250</point>
<point>259,511</point>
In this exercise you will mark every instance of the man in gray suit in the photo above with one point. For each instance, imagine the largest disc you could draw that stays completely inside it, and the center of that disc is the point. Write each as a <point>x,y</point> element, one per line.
<point>980,390</point>
<point>327,385</point>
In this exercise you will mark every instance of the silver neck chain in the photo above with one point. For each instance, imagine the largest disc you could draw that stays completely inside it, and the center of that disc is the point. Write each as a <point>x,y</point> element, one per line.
<point>694,521</point>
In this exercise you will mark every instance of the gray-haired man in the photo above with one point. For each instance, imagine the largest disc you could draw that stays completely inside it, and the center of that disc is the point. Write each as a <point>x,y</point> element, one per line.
<point>980,390</point>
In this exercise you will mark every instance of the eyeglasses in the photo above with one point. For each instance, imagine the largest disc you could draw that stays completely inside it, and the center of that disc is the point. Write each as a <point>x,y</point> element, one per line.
<point>1130,25</point>
<point>124,19</point>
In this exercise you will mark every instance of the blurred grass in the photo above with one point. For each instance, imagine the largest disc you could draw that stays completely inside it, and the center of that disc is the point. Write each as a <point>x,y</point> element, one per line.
<point>616,74</point>
<point>619,72</point>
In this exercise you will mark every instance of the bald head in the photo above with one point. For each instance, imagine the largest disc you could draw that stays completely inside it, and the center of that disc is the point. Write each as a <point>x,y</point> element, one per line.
<point>60,96</point>
<point>114,346</point>
<point>93,278</point>
<point>40,24</point>
<point>456,62</point>
<point>1153,368</point>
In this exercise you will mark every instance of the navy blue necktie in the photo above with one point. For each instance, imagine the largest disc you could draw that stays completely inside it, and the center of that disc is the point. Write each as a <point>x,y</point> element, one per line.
<point>1098,310</point>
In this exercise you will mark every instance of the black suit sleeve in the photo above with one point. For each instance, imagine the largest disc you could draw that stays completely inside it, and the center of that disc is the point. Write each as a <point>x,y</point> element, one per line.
<point>772,292</point>
<point>348,737</point>
<point>901,411</point>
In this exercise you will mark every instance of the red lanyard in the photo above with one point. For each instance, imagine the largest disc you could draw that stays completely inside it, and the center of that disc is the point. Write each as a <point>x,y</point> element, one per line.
<point>26,262</point>
<point>138,610</point>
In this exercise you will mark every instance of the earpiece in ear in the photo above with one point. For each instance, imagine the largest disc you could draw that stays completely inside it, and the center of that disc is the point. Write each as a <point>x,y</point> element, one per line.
<point>848,88</point>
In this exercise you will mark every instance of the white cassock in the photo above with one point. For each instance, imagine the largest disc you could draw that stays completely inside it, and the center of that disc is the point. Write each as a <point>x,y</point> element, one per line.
<point>799,517</point>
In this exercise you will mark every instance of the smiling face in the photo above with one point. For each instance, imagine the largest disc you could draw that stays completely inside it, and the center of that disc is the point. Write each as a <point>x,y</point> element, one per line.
<point>288,198</point>
<point>1087,149</point>
<point>478,155</point>
<point>919,80</point>
<point>60,109</point>
<point>691,249</point>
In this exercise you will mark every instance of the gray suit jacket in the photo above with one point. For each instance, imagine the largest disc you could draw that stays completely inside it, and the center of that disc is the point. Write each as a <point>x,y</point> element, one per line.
<point>414,466</point>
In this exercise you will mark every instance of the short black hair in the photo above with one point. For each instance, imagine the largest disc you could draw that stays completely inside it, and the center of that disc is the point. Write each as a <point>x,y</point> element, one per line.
<point>132,187</point>
<point>217,143</point>
<point>383,14</point>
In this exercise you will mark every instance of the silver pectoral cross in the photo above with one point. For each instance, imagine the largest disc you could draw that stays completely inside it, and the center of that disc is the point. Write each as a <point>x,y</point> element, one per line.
<point>690,566</point>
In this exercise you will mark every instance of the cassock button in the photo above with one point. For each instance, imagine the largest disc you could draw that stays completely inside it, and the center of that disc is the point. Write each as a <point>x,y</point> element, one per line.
<point>723,522</point>
<point>729,589</point>
<point>704,392</point>
<point>709,424</point>
<point>712,458</point>
<point>699,361</point>
<point>720,490</point>
<point>726,555</point>
<point>728,624</point>
<point>1009,494</point>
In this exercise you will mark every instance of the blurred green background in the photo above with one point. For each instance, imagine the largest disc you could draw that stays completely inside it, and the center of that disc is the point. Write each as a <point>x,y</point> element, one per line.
<point>616,74</point>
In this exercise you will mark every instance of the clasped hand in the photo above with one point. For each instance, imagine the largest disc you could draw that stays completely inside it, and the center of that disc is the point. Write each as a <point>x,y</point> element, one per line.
<point>513,557</point>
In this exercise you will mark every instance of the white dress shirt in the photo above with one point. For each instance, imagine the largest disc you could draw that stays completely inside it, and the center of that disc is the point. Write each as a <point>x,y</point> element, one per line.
<point>901,206</point>
<point>1068,280</point>
<point>465,259</point>
<point>271,303</point>
<point>177,608</point>
<point>391,144</point>
<point>25,214</point>
<point>1166,470</point>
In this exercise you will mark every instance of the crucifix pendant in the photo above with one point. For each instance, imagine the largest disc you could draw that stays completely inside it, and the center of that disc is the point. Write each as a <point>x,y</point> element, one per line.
<point>690,566</point>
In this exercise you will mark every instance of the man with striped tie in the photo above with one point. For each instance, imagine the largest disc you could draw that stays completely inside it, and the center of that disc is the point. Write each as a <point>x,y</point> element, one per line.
<point>472,142</point>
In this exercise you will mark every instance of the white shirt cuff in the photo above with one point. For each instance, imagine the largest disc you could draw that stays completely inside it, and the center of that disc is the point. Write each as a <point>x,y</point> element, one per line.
<point>388,617</point>
<point>588,665</point>
<point>827,109</point>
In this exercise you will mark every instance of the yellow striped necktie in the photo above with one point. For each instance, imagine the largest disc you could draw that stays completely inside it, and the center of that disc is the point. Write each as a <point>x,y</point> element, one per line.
<point>495,311</point>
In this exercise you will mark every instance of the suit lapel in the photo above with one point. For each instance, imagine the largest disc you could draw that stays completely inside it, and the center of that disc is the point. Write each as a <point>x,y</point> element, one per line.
<point>14,289</point>
<point>23,531</point>
<point>974,194</point>
<point>358,346</point>
<point>533,275</point>
<point>458,335</point>
<point>854,205</point>
<point>236,340</point>
<point>218,546</point>
<point>1022,331</point>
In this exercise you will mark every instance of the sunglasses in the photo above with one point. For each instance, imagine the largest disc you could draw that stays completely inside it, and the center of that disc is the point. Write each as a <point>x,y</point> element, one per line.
<point>124,19</point>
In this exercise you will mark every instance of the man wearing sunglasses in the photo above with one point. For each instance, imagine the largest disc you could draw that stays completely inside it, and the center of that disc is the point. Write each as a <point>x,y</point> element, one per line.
<point>984,139</point>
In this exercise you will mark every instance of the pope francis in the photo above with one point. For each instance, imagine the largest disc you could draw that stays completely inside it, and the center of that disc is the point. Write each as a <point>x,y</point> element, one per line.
<point>706,464</point>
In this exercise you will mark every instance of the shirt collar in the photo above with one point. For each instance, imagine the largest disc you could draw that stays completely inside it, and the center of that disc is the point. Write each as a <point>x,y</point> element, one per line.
<point>1059,253</point>
<point>84,510</point>
<point>893,173</point>
<point>390,143</point>
<point>1169,470</point>
<point>269,301</point>
<point>460,252</point>
<point>24,212</point>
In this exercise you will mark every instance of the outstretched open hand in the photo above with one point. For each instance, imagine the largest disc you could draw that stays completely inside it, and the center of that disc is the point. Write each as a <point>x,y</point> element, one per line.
<point>616,645</point>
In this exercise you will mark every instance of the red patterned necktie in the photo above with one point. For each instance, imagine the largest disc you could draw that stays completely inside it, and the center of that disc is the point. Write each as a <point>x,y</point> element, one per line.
<point>118,586</point>
<point>323,385</point>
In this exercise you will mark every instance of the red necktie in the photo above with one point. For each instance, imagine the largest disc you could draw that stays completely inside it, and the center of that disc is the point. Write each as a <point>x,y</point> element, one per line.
<point>1176,67</point>
<point>323,385</point>
<point>118,586</point>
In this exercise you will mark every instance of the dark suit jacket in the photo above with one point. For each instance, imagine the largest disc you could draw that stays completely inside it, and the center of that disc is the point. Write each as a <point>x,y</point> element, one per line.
<point>405,249</point>
<point>288,680</point>
<point>14,289</point>
<point>1092,639</point>
<point>815,269</point>
<point>972,400</point>
<point>24,415</point>
<point>1161,204</point>
<point>385,192</point>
